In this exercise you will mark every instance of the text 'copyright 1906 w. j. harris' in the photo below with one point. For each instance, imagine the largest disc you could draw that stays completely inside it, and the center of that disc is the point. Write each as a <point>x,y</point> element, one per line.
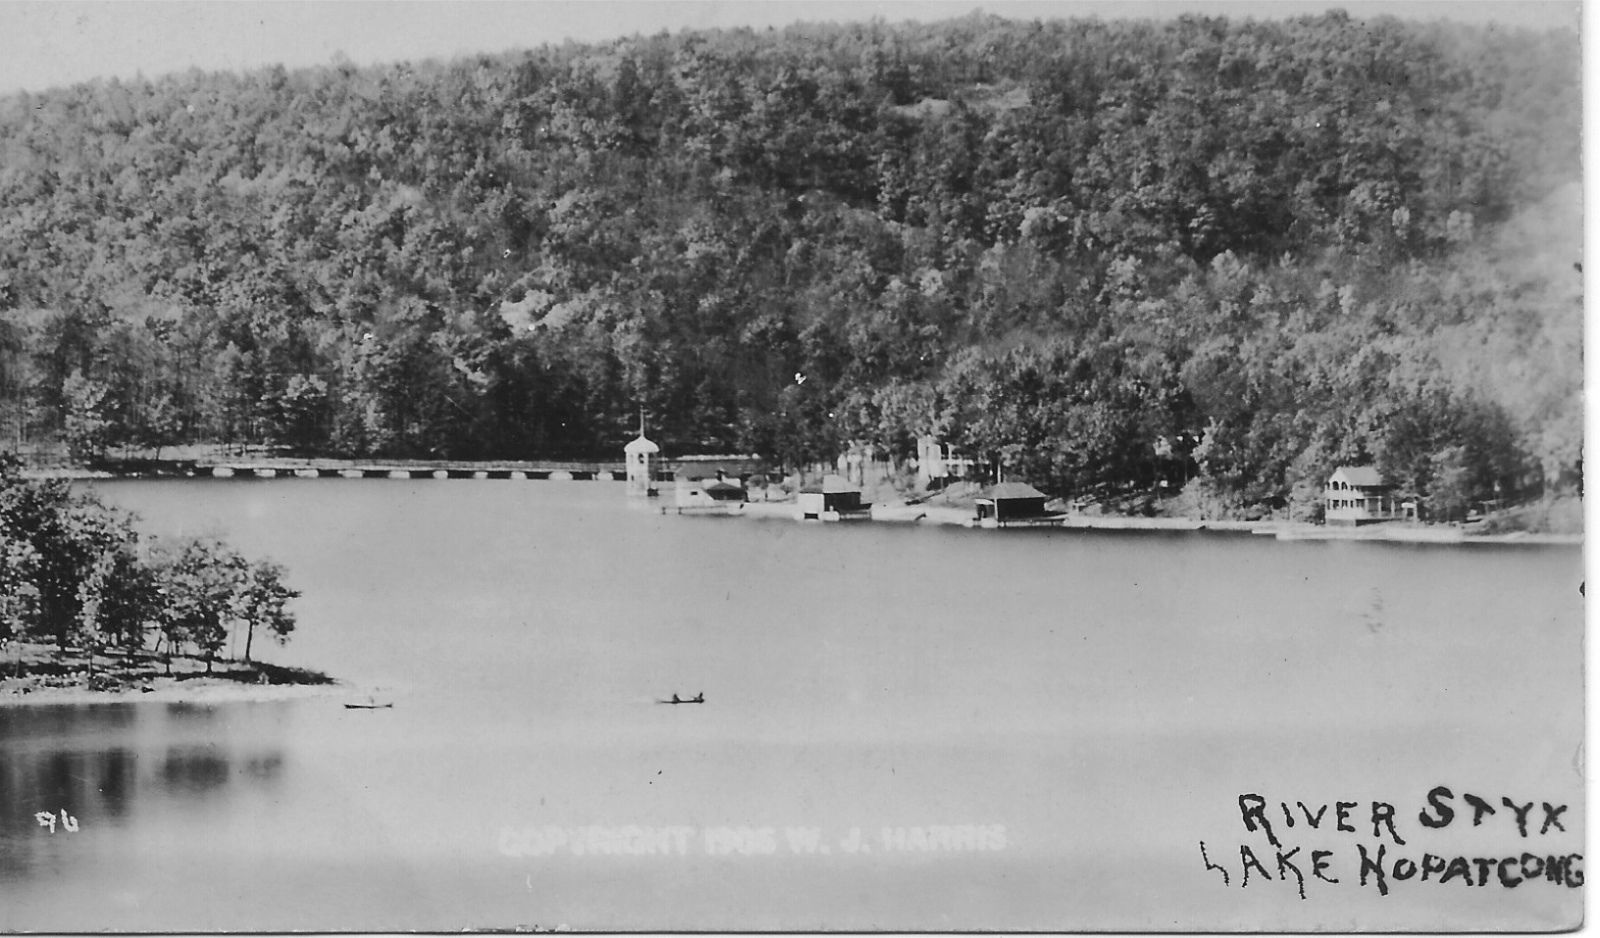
<point>683,840</point>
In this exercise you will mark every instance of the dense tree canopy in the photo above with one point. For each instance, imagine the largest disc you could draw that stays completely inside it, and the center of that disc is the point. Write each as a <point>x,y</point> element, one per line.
<point>76,572</point>
<point>1102,252</point>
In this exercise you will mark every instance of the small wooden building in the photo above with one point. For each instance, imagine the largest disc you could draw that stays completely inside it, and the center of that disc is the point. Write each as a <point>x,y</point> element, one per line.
<point>708,489</point>
<point>835,500</point>
<point>1359,495</point>
<point>1013,503</point>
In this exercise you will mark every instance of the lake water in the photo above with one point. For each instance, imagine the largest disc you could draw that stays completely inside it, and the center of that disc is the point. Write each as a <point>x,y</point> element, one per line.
<point>1025,729</point>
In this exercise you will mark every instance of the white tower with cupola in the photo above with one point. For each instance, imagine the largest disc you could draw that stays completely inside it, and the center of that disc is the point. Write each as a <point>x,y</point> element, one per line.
<point>640,459</point>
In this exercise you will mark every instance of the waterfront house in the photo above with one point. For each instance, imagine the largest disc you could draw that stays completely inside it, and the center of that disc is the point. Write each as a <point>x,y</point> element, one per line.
<point>835,500</point>
<point>938,463</point>
<point>1359,495</point>
<point>1013,503</point>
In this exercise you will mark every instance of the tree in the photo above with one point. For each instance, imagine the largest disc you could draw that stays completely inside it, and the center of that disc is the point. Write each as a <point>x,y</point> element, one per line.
<point>85,425</point>
<point>264,602</point>
<point>66,536</point>
<point>202,584</point>
<point>298,414</point>
<point>1450,492</point>
<point>129,596</point>
<point>162,424</point>
<point>19,597</point>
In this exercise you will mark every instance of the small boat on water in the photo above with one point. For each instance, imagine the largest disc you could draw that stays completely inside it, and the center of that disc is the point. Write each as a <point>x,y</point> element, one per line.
<point>369,705</point>
<point>697,698</point>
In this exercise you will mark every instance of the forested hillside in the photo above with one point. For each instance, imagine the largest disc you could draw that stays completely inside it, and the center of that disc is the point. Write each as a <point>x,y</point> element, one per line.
<point>1226,253</point>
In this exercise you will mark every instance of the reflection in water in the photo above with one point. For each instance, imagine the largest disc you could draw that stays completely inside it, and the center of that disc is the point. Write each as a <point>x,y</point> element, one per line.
<point>100,765</point>
<point>1104,696</point>
<point>267,767</point>
<point>115,779</point>
<point>36,722</point>
<point>194,770</point>
<point>182,710</point>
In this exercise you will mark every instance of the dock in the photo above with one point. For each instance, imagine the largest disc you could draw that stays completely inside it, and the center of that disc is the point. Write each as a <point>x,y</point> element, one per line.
<point>379,471</point>
<point>257,468</point>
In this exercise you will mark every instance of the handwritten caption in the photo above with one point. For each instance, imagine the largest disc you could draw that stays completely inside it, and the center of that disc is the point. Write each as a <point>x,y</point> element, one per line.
<point>683,840</point>
<point>1392,857</point>
<point>69,823</point>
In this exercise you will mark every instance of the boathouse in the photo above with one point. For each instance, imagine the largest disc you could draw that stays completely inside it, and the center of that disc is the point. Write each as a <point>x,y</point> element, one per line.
<point>639,453</point>
<point>1013,503</point>
<point>835,500</point>
<point>699,488</point>
<point>1359,495</point>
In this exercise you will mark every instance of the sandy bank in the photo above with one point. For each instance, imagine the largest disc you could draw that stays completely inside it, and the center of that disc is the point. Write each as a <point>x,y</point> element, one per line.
<point>33,673</point>
<point>1409,534</point>
<point>167,690</point>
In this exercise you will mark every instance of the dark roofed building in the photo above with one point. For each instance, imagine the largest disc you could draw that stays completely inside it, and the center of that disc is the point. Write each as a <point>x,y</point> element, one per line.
<point>835,499</point>
<point>705,486</point>
<point>1009,502</point>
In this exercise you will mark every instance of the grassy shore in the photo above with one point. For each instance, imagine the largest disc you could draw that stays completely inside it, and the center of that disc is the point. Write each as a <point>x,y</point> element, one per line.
<point>34,673</point>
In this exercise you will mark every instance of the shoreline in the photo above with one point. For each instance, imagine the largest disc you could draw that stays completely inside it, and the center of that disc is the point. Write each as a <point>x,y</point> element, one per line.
<point>199,691</point>
<point>1389,532</point>
<point>896,511</point>
<point>37,674</point>
<point>901,512</point>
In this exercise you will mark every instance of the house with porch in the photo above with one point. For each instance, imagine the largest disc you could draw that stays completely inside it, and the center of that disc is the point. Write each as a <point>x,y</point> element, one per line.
<point>939,463</point>
<point>1359,495</point>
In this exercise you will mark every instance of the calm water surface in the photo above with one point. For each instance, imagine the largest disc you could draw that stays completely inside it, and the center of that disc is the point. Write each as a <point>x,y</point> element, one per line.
<point>1093,702</point>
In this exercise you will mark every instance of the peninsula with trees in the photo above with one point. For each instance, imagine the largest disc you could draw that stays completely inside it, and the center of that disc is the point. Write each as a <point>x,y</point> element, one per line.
<point>1204,257</point>
<point>88,604</point>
